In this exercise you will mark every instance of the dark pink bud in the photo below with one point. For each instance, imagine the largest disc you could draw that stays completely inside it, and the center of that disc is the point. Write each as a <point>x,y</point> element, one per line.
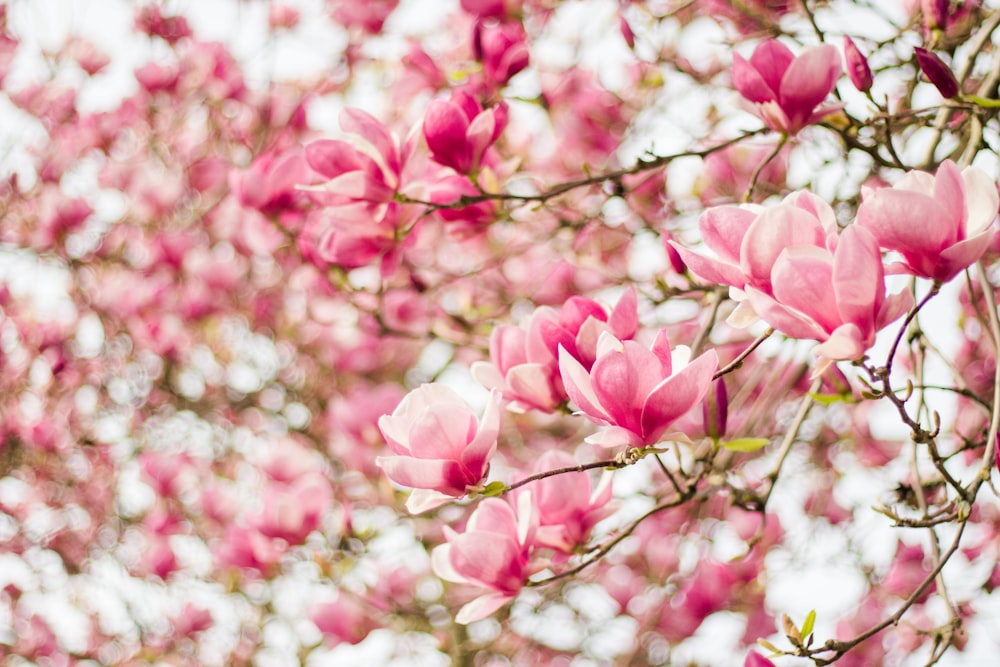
<point>626,30</point>
<point>937,72</point>
<point>715,410</point>
<point>858,70</point>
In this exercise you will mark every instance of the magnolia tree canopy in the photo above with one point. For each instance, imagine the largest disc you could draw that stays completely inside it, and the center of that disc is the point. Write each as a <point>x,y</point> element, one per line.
<point>499,332</point>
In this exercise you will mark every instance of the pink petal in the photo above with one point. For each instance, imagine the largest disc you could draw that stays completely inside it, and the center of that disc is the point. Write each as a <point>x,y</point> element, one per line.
<point>366,126</point>
<point>425,500</point>
<point>482,607</point>
<point>784,319</point>
<point>332,158</point>
<point>909,222</point>
<point>949,192</point>
<point>531,384</point>
<point>803,280</point>
<point>436,475</point>
<point>580,388</point>
<point>441,432</point>
<point>749,82</point>
<point>772,59</point>
<point>775,230</point>
<point>710,270</point>
<point>723,229</point>
<point>981,200</point>
<point>445,128</point>
<point>676,395</point>
<point>858,278</point>
<point>960,256</point>
<point>624,320</point>
<point>845,343</point>
<point>807,82</point>
<point>476,456</point>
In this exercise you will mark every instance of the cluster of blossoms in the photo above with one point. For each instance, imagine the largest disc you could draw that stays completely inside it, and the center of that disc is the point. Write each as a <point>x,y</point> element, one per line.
<point>265,334</point>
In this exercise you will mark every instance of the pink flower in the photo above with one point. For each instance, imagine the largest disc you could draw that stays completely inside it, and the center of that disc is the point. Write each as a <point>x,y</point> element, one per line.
<point>524,363</point>
<point>835,296</point>
<point>785,88</point>
<point>502,50</point>
<point>940,224</point>
<point>637,392</point>
<point>748,239</point>
<point>566,506</point>
<point>345,619</point>
<point>367,168</point>
<point>440,449</point>
<point>459,131</point>
<point>492,553</point>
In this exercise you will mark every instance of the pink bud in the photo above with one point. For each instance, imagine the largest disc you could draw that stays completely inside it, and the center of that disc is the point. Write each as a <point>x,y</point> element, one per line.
<point>715,411</point>
<point>935,13</point>
<point>937,72</point>
<point>858,70</point>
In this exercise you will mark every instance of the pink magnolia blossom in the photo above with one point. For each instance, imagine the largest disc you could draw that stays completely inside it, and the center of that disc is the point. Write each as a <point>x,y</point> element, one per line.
<point>502,49</point>
<point>459,131</point>
<point>567,506</point>
<point>367,166</point>
<point>439,448</point>
<point>788,89</point>
<point>940,224</point>
<point>635,391</point>
<point>748,239</point>
<point>524,362</point>
<point>492,553</point>
<point>343,620</point>
<point>835,296</point>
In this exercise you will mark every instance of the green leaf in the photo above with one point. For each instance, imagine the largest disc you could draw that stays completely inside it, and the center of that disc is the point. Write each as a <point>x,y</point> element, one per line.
<point>745,444</point>
<point>983,102</point>
<point>807,625</point>
<point>830,399</point>
<point>494,489</point>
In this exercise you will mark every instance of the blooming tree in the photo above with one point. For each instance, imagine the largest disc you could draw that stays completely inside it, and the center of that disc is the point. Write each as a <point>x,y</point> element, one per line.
<point>500,332</point>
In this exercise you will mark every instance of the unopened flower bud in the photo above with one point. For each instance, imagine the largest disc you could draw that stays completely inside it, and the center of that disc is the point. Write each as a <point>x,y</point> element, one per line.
<point>937,72</point>
<point>857,66</point>
<point>715,410</point>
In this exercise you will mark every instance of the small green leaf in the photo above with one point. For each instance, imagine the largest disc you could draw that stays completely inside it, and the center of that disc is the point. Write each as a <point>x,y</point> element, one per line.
<point>745,444</point>
<point>983,102</point>
<point>494,489</point>
<point>807,625</point>
<point>830,399</point>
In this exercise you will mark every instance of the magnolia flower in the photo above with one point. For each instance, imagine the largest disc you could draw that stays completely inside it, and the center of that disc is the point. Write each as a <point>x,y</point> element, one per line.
<point>834,296</point>
<point>940,224</point>
<point>524,362</point>
<point>458,131</point>
<point>440,449</point>
<point>748,239</point>
<point>492,553</point>
<point>567,506</point>
<point>787,89</point>
<point>635,391</point>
